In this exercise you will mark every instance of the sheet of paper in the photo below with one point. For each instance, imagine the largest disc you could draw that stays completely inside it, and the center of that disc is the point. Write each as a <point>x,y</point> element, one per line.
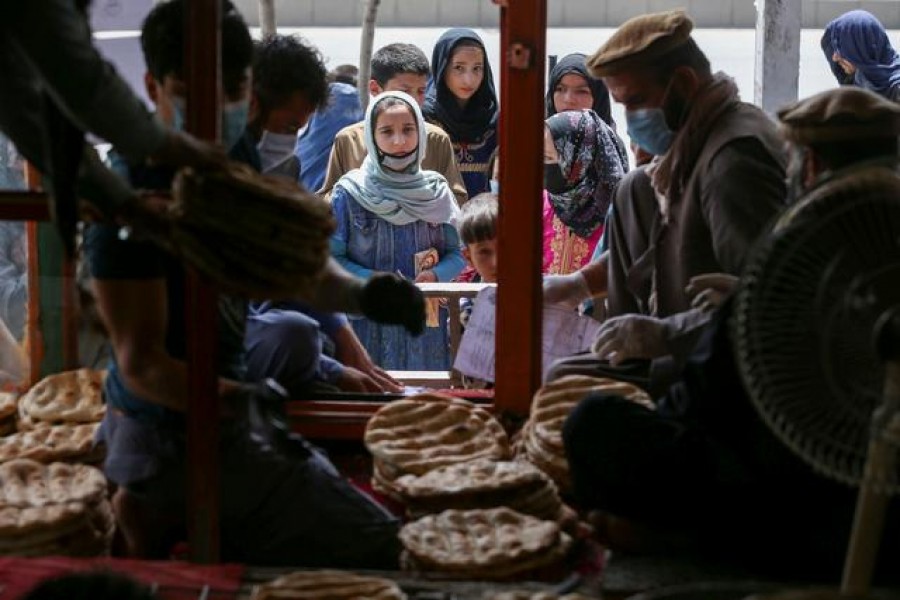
<point>564,333</point>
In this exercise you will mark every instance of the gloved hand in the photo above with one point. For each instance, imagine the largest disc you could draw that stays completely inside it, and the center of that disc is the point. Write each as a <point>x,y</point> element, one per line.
<point>631,336</point>
<point>566,290</point>
<point>708,291</point>
<point>390,298</point>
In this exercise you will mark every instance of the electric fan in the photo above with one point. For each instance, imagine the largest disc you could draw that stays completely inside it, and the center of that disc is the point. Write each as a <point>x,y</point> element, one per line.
<point>816,331</point>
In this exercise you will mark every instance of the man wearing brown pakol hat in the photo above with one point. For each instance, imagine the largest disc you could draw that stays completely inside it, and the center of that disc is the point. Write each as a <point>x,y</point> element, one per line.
<point>715,183</point>
<point>703,463</point>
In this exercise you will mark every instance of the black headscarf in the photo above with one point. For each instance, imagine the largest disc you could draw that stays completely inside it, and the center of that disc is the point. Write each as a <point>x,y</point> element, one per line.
<point>469,124</point>
<point>576,63</point>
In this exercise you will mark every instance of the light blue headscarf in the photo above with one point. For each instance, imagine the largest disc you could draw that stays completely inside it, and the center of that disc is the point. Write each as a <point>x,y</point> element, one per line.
<point>399,198</point>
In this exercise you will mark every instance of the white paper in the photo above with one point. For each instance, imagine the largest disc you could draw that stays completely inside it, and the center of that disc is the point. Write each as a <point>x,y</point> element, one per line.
<point>564,333</point>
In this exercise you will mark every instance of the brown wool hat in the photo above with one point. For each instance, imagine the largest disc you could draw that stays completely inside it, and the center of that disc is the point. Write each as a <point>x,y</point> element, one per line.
<point>641,40</point>
<point>844,113</point>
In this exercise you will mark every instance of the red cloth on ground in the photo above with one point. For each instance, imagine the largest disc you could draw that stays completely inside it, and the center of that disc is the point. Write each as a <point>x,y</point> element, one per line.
<point>174,580</point>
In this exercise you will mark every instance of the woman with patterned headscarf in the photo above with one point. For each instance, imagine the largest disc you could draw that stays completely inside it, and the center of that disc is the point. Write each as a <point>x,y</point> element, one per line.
<point>859,53</point>
<point>583,163</point>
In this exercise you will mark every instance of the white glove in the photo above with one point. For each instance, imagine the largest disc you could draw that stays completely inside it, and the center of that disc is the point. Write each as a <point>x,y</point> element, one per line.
<point>631,336</point>
<point>566,290</point>
<point>708,291</point>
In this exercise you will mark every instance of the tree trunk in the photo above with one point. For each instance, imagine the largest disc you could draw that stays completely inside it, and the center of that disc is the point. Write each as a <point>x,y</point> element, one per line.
<point>365,49</point>
<point>267,17</point>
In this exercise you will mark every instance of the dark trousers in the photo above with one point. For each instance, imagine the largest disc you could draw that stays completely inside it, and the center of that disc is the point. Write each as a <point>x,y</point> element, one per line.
<point>275,509</point>
<point>669,472</point>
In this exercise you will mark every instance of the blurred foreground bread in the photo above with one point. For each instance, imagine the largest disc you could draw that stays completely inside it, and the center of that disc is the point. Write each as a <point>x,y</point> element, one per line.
<point>328,585</point>
<point>263,237</point>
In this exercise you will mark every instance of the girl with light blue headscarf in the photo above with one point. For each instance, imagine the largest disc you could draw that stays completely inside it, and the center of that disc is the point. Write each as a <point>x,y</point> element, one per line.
<point>394,217</point>
<point>859,53</point>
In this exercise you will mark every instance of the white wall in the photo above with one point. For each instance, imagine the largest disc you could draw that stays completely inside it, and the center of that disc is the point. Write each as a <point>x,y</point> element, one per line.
<point>560,13</point>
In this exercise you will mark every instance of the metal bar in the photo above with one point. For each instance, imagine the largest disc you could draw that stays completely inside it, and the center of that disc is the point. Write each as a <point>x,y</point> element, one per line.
<point>523,48</point>
<point>202,70</point>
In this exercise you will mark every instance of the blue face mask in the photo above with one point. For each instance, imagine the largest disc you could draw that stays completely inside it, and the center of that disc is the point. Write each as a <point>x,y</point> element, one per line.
<point>234,119</point>
<point>647,127</point>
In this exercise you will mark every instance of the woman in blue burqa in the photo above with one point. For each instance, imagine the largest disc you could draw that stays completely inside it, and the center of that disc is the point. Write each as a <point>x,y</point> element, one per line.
<point>859,53</point>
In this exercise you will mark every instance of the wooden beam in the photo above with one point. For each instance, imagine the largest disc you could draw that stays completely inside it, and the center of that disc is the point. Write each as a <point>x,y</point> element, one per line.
<point>519,302</point>
<point>24,206</point>
<point>777,74</point>
<point>202,70</point>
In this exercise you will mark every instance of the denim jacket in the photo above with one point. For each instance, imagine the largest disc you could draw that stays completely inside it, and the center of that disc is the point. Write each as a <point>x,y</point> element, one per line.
<point>365,243</point>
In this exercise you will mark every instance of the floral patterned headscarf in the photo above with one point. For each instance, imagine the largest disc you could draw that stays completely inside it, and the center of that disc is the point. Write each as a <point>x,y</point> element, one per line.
<point>592,163</point>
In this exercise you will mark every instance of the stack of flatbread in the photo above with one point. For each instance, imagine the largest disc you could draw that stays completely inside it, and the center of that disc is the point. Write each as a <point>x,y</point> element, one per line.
<point>57,509</point>
<point>481,483</point>
<point>9,407</point>
<point>66,398</point>
<point>428,431</point>
<point>54,443</point>
<point>497,543</point>
<point>328,585</point>
<point>540,441</point>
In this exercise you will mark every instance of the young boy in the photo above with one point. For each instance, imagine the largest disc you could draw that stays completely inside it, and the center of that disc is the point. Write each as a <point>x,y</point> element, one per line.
<point>478,232</point>
<point>396,68</point>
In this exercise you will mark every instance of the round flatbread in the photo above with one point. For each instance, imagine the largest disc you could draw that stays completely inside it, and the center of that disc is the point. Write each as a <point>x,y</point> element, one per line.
<point>68,397</point>
<point>497,538</point>
<point>50,444</point>
<point>328,585</point>
<point>421,433</point>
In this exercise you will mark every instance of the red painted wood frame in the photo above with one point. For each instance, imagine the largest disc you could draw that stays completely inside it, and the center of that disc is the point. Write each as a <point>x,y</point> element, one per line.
<point>202,69</point>
<point>523,25</point>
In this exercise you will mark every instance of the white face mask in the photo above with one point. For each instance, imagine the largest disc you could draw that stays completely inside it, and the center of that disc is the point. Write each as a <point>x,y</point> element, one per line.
<point>399,162</point>
<point>274,148</point>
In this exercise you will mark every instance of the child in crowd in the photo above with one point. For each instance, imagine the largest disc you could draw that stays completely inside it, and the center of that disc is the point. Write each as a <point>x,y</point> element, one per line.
<point>396,68</point>
<point>390,213</point>
<point>478,232</point>
<point>583,163</point>
<point>461,99</point>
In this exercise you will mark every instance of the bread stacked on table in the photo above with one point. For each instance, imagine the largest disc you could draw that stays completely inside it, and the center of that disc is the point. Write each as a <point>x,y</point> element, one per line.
<point>54,443</point>
<point>56,419</point>
<point>428,431</point>
<point>496,543</point>
<point>328,585</point>
<point>540,440</point>
<point>478,514</point>
<point>57,509</point>
<point>67,398</point>
<point>481,483</point>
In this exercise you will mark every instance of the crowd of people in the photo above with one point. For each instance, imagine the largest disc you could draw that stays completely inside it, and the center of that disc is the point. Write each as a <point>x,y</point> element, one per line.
<point>412,183</point>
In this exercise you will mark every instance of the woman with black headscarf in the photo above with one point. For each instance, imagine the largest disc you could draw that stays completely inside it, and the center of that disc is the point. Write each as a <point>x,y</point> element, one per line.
<point>461,99</point>
<point>859,53</point>
<point>571,87</point>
